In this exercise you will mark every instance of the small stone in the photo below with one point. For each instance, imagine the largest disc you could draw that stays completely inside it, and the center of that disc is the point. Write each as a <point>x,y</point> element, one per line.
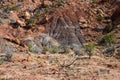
<point>49,78</point>
<point>13,17</point>
<point>21,23</point>
<point>99,28</point>
<point>82,20</point>
<point>41,29</point>
<point>27,15</point>
<point>29,58</point>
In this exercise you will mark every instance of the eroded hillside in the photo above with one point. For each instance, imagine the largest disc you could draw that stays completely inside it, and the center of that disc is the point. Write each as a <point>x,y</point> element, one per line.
<point>59,39</point>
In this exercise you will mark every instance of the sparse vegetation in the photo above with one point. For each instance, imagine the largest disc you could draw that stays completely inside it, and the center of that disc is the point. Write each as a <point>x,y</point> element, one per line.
<point>67,51</point>
<point>1,61</point>
<point>89,48</point>
<point>109,39</point>
<point>59,40</point>
<point>98,11</point>
<point>100,18</point>
<point>55,49</point>
<point>48,9</point>
<point>45,49</point>
<point>59,2</point>
<point>30,47</point>
<point>31,21</point>
<point>37,15</point>
<point>10,7</point>
<point>94,1</point>
<point>110,26</point>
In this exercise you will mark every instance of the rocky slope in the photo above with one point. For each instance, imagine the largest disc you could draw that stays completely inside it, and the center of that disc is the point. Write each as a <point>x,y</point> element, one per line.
<point>51,67</point>
<point>70,23</point>
<point>30,31</point>
<point>66,21</point>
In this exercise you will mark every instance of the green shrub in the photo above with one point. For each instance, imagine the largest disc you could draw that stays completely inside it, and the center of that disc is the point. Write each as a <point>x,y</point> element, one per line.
<point>55,49</point>
<point>45,49</point>
<point>59,2</point>
<point>109,39</point>
<point>89,48</point>
<point>98,12</point>
<point>94,1</point>
<point>100,18</point>
<point>31,21</point>
<point>52,50</point>
<point>1,61</point>
<point>67,51</point>
<point>37,15</point>
<point>117,30</point>
<point>10,7</point>
<point>110,26</point>
<point>30,47</point>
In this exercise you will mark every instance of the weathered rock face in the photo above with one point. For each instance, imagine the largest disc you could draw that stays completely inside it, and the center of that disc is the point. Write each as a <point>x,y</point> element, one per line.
<point>66,30</point>
<point>66,34</point>
<point>7,47</point>
<point>65,25</point>
<point>37,43</point>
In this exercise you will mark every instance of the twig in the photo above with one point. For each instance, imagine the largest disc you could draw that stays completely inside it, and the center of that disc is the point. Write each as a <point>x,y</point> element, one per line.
<point>72,62</point>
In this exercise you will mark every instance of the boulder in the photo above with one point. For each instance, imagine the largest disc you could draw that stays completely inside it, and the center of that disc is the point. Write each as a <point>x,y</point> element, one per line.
<point>27,15</point>
<point>36,44</point>
<point>13,17</point>
<point>21,23</point>
<point>66,32</point>
<point>7,47</point>
<point>32,46</point>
